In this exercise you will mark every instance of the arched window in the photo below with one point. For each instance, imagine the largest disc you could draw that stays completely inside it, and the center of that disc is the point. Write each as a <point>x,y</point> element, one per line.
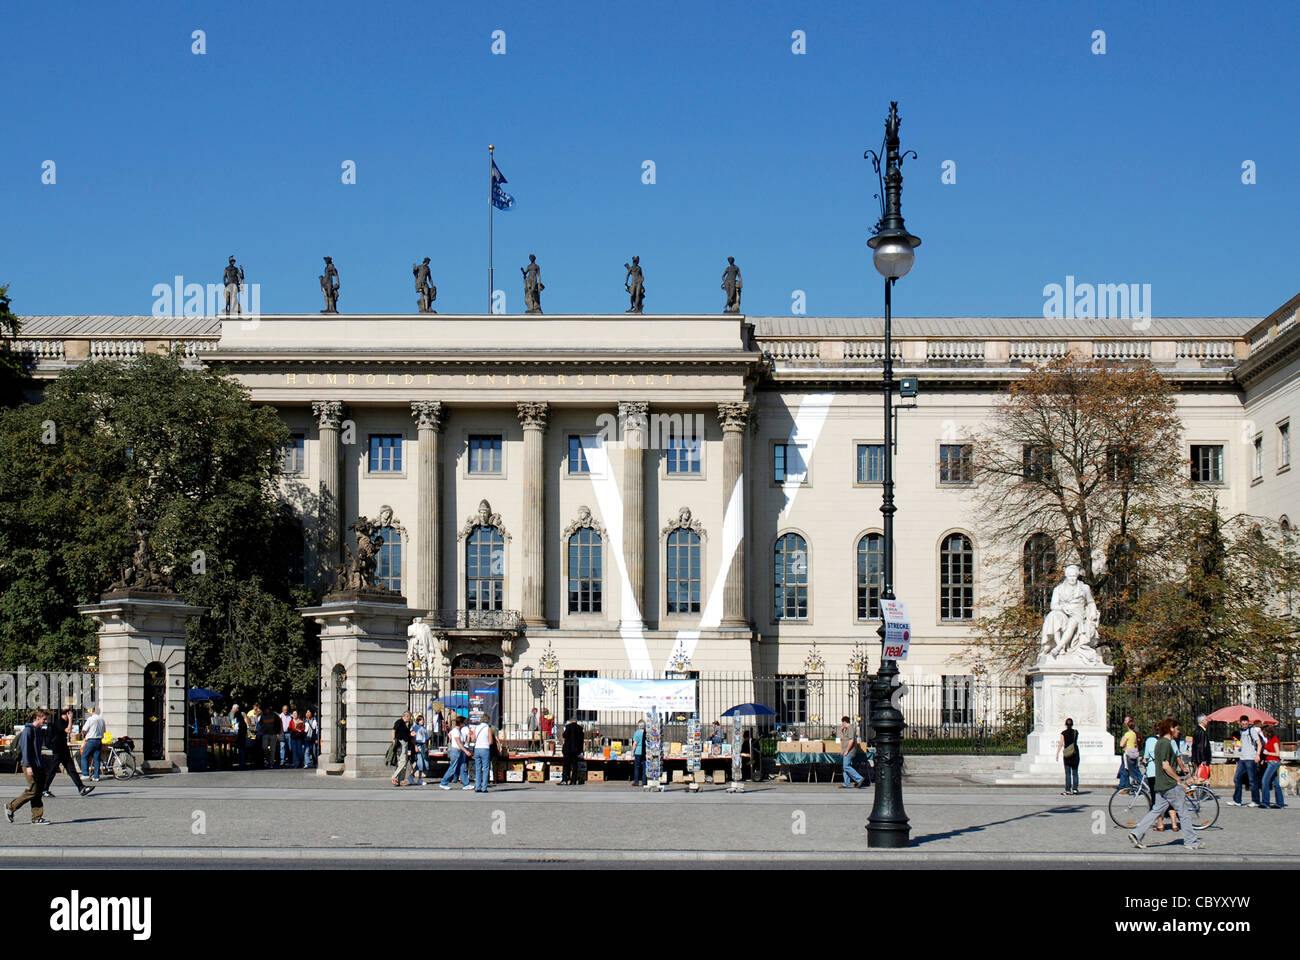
<point>683,586</point>
<point>871,575</point>
<point>585,577</point>
<point>1039,572</point>
<point>790,575</point>
<point>388,568</point>
<point>485,569</point>
<point>956,578</point>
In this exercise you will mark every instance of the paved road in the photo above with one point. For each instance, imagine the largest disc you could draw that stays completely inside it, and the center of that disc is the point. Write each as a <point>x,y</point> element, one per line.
<point>281,818</point>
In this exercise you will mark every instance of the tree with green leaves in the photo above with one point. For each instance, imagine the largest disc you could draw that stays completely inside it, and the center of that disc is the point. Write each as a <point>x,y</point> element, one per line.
<point>13,376</point>
<point>183,455</point>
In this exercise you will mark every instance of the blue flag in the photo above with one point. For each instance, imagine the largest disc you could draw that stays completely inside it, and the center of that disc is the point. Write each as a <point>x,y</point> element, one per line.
<point>500,199</point>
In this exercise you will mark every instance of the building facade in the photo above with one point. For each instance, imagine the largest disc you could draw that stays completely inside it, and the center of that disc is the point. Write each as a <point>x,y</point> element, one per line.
<point>638,494</point>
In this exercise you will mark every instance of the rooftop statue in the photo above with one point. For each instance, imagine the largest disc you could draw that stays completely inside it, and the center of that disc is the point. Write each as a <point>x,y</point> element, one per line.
<point>233,281</point>
<point>731,283</point>
<point>426,291</point>
<point>634,284</point>
<point>533,285</point>
<point>329,285</point>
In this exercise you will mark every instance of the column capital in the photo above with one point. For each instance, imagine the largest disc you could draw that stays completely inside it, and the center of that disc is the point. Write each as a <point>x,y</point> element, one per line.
<point>734,415</point>
<point>533,413</point>
<point>427,414</point>
<point>634,412</point>
<point>329,413</point>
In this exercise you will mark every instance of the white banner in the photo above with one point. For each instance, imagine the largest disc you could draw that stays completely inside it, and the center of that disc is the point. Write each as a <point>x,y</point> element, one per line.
<point>603,693</point>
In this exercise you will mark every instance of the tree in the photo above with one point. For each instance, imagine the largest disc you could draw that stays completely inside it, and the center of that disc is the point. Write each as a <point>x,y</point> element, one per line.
<point>1087,454</point>
<point>13,376</point>
<point>183,455</point>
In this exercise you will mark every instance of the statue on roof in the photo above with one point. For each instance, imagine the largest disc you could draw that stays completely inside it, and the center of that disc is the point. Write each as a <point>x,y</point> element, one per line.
<point>426,291</point>
<point>731,283</point>
<point>233,281</point>
<point>634,284</point>
<point>329,285</point>
<point>533,285</point>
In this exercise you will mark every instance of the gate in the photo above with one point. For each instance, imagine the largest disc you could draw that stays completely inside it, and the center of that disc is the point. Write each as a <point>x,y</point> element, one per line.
<point>155,711</point>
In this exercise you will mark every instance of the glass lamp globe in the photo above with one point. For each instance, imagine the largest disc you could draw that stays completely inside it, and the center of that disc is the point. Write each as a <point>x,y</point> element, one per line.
<point>893,258</point>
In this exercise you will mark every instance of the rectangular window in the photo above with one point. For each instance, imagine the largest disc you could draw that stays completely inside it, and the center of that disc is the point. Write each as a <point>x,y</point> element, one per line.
<point>1258,473</point>
<point>1207,463</point>
<point>871,463</point>
<point>955,463</point>
<point>1038,462</point>
<point>293,455</point>
<point>578,455</point>
<point>791,699</point>
<point>956,700</point>
<point>1121,465</point>
<point>485,454</point>
<point>1284,445</point>
<point>571,696</point>
<point>684,454</point>
<point>789,463</point>
<point>385,453</point>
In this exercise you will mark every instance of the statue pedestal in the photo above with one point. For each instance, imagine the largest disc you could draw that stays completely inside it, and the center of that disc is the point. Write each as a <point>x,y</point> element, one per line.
<point>1066,687</point>
<point>142,681</point>
<point>364,634</point>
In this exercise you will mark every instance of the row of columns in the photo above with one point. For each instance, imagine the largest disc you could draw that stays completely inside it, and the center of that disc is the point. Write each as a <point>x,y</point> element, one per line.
<point>533,417</point>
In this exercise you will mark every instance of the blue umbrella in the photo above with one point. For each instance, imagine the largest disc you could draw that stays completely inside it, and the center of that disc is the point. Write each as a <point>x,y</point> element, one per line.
<point>750,710</point>
<point>197,693</point>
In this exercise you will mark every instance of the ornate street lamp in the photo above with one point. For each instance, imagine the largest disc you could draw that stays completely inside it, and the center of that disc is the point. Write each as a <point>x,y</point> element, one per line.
<point>893,256</point>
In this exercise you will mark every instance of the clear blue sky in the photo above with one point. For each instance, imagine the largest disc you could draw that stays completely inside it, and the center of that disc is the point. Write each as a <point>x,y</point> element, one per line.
<point>1124,167</point>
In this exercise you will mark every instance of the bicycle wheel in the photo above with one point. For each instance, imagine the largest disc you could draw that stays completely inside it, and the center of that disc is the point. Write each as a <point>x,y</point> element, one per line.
<point>1127,806</point>
<point>1203,806</point>
<point>124,766</point>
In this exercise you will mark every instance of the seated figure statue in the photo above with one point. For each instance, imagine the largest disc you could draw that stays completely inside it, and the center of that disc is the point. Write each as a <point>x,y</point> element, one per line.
<point>1070,627</point>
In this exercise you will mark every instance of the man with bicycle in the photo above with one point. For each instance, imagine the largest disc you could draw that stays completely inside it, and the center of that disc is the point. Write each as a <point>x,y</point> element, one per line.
<point>1169,792</point>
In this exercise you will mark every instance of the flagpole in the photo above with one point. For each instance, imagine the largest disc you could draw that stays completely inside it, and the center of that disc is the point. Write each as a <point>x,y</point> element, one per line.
<point>490,149</point>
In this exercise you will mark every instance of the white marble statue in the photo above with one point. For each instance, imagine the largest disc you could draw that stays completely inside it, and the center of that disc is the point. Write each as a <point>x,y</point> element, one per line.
<point>1070,627</point>
<point>420,644</point>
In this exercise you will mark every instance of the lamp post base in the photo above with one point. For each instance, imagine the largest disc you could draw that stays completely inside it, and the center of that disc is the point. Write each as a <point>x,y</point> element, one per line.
<point>888,826</point>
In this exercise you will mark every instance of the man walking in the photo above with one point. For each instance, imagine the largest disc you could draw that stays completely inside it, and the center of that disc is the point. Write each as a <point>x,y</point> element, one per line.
<point>457,757</point>
<point>240,725</point>
<point>848,747</point>
<point>29,749</point>
<point>1201,752</point>
<point>312,739</point>
<point>1169,792</point>
<point>286,724</point>
<point>93,729</point>
<point>572,750</point>
<point>1252,746</point>
<point>405,747</point>
<point>56,737</point>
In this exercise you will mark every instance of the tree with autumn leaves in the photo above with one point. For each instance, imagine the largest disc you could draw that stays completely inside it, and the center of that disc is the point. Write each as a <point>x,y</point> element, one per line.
<point>1083,463</point>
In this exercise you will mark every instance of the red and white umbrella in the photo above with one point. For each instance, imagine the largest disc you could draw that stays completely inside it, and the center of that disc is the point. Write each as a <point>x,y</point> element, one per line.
<point>1234,713</point>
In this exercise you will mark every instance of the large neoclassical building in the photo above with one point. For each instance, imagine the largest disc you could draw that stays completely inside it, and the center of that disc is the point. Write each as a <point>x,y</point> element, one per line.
<point>626,491</point>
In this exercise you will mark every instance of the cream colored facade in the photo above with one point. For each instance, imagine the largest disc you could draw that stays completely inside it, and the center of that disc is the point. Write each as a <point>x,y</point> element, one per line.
<point>748,384</point>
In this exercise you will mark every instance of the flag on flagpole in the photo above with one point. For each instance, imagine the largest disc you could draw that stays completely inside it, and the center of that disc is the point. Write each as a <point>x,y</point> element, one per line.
<point>500,199</point>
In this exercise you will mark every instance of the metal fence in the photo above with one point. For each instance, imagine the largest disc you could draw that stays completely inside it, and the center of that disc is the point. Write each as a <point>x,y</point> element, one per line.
<point>960,715</point>
<point>1149,703</point>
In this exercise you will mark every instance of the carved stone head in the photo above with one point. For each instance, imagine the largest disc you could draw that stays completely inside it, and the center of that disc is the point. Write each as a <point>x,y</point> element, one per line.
<point>484,512</point>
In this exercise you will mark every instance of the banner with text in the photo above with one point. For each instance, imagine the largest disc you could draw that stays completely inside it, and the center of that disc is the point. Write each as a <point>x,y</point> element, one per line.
<point>603,693</point>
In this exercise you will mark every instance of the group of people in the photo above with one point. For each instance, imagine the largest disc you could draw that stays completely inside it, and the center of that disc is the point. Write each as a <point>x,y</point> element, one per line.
<point>284,739</point>
<point>50,731</point>
<point>1258,765</point>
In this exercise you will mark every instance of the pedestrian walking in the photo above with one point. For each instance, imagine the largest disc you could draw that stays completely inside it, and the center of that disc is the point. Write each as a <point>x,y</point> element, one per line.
<point>482,738</point>
<point>93,734</point>
<point>30,741</point>
<point>1068,748</point>
<point>420,735</point>
<point>1128,755</point>
<point>297,740</point>
<point>286,742</point>
<point>311,739</point>
<point>1252,749</point>
<point>270,732</point>
<point>638,755</point>
<point>239,723</point>
<point>56,738</point>
<point>1202,755</point>
<point>458,757</point>
<point>1272,765</point>
<point>848,749</point>
<point>405,747</point>
<point>571,751</point>
<point>1170,791</point>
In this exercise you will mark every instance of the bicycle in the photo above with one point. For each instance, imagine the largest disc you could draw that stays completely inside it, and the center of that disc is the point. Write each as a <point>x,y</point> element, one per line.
<point>120,761</point>
<point>1130,804</point>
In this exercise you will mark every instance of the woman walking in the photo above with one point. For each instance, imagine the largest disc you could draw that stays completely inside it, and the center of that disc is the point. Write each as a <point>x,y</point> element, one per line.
<point>457,757</point>
<point>1068,747</point>
<point>1272,764</point>
<point>1128,754</point>
<point>421,736</point>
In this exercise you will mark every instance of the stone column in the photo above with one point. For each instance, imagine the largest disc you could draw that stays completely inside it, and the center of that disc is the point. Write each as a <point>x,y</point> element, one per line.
<point>329,533</point>
<point>735,420</point>
<point>634,416</point>
<point>428,422</point>
<point>533,416</point>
